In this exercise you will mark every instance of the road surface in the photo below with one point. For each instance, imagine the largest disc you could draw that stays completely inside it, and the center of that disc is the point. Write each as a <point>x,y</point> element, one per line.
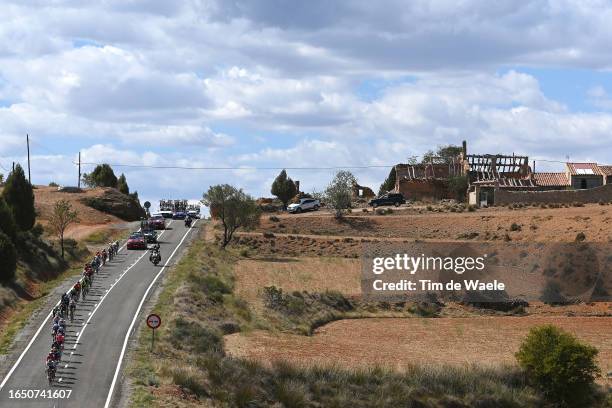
<point>96,340</point>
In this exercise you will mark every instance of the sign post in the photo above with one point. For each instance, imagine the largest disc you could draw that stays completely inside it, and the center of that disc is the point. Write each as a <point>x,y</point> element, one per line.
<point>153,321</point>
<point>147,205</point>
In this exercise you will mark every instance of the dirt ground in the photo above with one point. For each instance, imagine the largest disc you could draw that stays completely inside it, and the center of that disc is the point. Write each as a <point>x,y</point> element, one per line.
<point>314,252</point>
<point>397,343</point>
<point>535,224</point>
<point>90,219</point>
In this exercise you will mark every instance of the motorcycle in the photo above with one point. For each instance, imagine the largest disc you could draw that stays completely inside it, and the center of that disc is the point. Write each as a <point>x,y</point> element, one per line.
<point>188,222</point>
<point>155,256</point>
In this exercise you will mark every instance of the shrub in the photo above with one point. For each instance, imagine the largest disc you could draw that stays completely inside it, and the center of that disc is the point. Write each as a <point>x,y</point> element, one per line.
<point>53,184</point>
<point>8,255</point>
<point>38,230</point>
<point>515,227</point>
<point>580,237</point>
<point>471,208</point>
<point>268,235</point>
<point>274,218</point>
<point>558,364</point>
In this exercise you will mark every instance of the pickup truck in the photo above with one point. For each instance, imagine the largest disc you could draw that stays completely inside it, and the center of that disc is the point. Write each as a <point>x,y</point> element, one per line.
<point>305,204</point>
<point>395,199</point>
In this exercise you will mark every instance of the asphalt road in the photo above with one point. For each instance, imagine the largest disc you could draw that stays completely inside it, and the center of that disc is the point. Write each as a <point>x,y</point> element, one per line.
<point>96,340</point>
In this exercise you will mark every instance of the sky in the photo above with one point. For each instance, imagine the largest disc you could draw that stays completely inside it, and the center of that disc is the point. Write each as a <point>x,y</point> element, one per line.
<point>273,83</point>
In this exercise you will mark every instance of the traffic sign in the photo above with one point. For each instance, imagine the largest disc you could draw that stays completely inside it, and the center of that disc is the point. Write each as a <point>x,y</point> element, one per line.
<point>153,321</point>
<point>147,204</point>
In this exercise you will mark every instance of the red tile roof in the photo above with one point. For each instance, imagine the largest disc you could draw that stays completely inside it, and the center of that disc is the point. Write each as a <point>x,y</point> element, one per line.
<point>606,170</point>
<point>583,169</point>
<point>551,179</point>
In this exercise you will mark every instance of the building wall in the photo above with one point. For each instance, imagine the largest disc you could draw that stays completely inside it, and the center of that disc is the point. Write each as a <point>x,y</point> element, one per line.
<point>591,181</point>
<point>429,190</point>
<point>592,195</point>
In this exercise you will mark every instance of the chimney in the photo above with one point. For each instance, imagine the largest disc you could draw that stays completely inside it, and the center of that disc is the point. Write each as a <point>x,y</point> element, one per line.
<point>297,185</point>
<point>464,145</point>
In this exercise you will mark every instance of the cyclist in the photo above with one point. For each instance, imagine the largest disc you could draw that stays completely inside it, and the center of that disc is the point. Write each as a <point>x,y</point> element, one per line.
<point>59,339</point>
<point>54,330</point>
<point>72,308</point>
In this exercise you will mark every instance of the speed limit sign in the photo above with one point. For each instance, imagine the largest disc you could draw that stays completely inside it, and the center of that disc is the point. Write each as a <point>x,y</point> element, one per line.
<point>153,321</point>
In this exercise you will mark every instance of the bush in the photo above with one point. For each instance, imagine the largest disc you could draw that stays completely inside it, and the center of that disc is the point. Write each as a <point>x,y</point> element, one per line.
<point>274,218</point>
<point>580,237</point>
<point>8,255</point>
<point>515,227</point>
<point>53,184</point>
<point>38,230</point>
<point>560,365</point>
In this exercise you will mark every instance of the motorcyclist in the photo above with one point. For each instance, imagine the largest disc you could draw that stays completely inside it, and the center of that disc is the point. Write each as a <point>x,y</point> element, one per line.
<point>188,221</point>
<point>155,253</point>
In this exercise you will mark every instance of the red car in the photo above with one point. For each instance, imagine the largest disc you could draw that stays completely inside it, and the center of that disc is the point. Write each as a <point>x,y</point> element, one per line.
<point>136,241</point>
<point>158,222</point>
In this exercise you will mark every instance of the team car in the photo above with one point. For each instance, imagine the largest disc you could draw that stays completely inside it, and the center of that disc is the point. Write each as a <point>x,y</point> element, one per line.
<point>136,241</point>
<point>150,236</point>
<point>179,215</point>
<point>157,221</point>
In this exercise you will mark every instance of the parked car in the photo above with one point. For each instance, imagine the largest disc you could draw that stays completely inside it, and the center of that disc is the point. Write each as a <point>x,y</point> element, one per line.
<point>193,214</point>
<point>166,214</point>
<point>179,215</point>
<point>150,236</point>
<point>305,204</point>
<point>157,221</point>
<point>136,241</point>
<point>395,199</point>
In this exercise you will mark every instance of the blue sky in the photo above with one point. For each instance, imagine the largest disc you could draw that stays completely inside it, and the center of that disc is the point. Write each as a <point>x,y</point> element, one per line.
<point>255,83</point>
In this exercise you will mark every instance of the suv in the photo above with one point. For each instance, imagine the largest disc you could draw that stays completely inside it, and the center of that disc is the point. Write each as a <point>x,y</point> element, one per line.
<point>395,199</point>
<point>305,204</point>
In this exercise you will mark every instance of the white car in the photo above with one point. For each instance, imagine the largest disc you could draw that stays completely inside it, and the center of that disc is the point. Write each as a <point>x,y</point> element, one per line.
<point>305,204</point>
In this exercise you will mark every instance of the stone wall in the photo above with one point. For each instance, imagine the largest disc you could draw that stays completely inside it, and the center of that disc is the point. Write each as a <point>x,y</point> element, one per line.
<point>592,195</point>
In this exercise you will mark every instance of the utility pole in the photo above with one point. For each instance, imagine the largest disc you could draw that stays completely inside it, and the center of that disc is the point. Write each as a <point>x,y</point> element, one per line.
<point>79,181</point>
<point>28,143</point>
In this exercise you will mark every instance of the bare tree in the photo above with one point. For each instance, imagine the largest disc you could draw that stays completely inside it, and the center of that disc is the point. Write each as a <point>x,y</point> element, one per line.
<point>234,208</point>
<point>63,215</point>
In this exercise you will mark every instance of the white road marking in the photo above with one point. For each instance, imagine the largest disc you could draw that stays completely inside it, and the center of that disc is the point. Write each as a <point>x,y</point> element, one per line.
<point>14,367</point>
<point>129,331</point>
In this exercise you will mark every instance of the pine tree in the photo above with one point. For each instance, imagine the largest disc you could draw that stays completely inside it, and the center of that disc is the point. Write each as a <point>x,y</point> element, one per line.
<point>284,188</point>
<point>7,222</point>
<point>388,184</point>
<point>8,255</point>
<point>122,184</point>
<point>19,196</point>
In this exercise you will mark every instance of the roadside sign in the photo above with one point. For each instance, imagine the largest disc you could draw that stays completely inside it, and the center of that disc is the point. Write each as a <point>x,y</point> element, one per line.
<point>147,204</point>
<point>153,321</point>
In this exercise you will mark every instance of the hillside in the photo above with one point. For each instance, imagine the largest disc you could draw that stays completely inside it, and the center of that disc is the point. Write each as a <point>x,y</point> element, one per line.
<point>40,267</point>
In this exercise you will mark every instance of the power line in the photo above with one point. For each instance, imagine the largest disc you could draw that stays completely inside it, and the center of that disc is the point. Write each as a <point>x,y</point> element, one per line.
<point>143,166</point>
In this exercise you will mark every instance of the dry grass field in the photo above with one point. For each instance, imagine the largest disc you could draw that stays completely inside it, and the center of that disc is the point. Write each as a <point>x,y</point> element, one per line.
<point>398,343</point>
<point>297,274</point>
<point>314,252</point>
